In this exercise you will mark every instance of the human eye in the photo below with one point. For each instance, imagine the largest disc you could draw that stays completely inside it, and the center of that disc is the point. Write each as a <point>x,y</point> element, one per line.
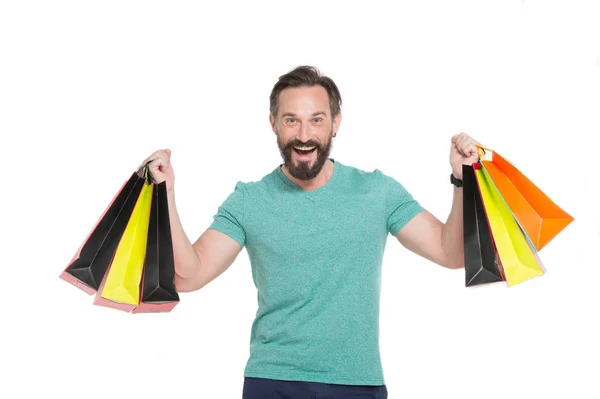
<point>318,120</point>
<point>290,120</point>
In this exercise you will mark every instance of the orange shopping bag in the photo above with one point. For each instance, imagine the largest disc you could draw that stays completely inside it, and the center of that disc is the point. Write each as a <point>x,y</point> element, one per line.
<point>540,218</point>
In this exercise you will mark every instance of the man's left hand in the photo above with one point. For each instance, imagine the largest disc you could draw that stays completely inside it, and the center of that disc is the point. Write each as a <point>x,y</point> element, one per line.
<point>463,151</point>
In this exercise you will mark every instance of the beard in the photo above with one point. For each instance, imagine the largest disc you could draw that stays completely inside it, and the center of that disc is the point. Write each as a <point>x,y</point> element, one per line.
<point>303,169</point>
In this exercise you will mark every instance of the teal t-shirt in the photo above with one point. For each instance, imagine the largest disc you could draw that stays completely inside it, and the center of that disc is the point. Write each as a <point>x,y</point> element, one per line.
<point>316,262</point>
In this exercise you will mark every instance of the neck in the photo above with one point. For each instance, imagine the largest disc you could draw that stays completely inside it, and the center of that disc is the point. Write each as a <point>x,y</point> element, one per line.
<point>318,181</point>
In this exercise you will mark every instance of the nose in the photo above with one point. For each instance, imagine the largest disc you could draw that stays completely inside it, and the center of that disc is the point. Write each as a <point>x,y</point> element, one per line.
<point>304,133</point>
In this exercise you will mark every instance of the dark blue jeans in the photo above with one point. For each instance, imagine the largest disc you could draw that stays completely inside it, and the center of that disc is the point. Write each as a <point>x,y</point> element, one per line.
<point>264,388</point>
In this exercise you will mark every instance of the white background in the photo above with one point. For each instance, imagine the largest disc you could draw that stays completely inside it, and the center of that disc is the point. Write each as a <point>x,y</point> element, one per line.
<point>89,89</point>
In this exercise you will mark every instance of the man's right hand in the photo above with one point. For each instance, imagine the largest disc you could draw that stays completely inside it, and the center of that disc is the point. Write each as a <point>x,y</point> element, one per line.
<point>161,168</point>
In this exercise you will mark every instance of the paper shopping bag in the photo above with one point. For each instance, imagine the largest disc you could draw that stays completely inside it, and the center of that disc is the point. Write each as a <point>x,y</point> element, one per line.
<point>481,265</point>
<point>519,262</point>
<point>158,282</point>
<point>89,265</point>
<point>540,217</point>
<point>121,288</point>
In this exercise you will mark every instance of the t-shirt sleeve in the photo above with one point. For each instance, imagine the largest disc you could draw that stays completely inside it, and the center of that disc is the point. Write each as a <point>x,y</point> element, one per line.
<point>400,206</point>
<point>229,218</point>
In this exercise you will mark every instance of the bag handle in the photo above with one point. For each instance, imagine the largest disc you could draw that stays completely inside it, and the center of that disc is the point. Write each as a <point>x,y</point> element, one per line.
<point>481,150</point>
<point>144,171</point>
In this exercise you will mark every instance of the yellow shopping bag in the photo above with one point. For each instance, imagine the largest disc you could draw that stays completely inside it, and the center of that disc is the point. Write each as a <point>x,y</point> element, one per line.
<point>122,283</point>
<point>518,259</point>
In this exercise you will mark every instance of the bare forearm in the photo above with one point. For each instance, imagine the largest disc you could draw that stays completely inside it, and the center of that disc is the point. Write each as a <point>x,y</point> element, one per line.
<point>452,232</point>
<point>187,263</point>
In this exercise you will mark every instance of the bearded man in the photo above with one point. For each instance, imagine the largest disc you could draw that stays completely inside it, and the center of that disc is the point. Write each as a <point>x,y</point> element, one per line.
<point>315,230</point>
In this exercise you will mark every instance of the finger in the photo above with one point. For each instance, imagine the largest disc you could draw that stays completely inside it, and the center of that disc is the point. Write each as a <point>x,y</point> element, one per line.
<point>160,154</point>
<point>464,138</point>
<point>153,165</point>
<point>469,148</point>
<point>152,157</point>
<point>472,150</point>
<point>456,138</point>
<point>460,143</point>
<point>158,169</point>
<point>465,146</point>
<point>160,164</point>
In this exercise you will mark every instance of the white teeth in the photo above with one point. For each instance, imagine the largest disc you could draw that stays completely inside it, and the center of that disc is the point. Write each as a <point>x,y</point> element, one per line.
<point>304,148</point>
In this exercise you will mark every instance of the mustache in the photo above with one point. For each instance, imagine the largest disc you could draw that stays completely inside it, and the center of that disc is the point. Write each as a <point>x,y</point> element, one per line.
<point>299,143</point>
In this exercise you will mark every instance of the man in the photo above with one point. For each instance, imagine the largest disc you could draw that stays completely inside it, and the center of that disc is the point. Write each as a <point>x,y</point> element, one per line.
<point>315,230</point>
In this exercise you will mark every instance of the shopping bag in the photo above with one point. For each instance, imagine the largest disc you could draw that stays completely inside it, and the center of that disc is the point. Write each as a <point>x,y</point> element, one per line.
<point>90,263</point>
<point>481,266</point>
<point>127,260</point>
<point>540,218</point>
<point>158,292</point>
<point>121,288</point>
<point>519,261</point>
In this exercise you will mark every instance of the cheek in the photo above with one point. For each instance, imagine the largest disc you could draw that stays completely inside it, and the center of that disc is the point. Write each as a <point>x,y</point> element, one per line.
<point>284,136</point>
<point>323,132</point>
<point>287,133</point>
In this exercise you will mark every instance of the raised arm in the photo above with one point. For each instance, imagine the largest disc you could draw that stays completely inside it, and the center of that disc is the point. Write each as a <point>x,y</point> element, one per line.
<point>195,264</point>
<point>426,235</point>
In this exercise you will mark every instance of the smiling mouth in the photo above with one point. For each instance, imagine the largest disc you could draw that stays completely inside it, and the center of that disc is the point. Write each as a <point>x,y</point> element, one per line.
<point>304,150</point>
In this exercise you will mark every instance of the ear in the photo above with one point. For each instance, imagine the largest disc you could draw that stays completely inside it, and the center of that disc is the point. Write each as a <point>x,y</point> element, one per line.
<point>272,122</point>
<point>336,123</point>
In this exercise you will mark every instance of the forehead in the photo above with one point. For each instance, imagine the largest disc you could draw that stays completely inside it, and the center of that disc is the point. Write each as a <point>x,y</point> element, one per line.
<point>304,100</point>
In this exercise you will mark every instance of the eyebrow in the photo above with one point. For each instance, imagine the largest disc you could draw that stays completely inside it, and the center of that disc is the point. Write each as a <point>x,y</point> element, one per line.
<point>294,115</point>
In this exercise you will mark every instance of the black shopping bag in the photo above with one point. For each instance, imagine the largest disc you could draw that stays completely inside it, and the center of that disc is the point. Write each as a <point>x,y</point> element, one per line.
<point>91,262</point>
<point>481,261</point>
<point>158,292</point>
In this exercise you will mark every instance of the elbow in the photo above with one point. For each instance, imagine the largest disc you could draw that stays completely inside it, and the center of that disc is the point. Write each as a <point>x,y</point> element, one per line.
<point>456,265</point>
<point>452,252</point>
<point>454,262</point>
<point>188,275</point>
<point>181,284</point>
<point>186,284</point>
